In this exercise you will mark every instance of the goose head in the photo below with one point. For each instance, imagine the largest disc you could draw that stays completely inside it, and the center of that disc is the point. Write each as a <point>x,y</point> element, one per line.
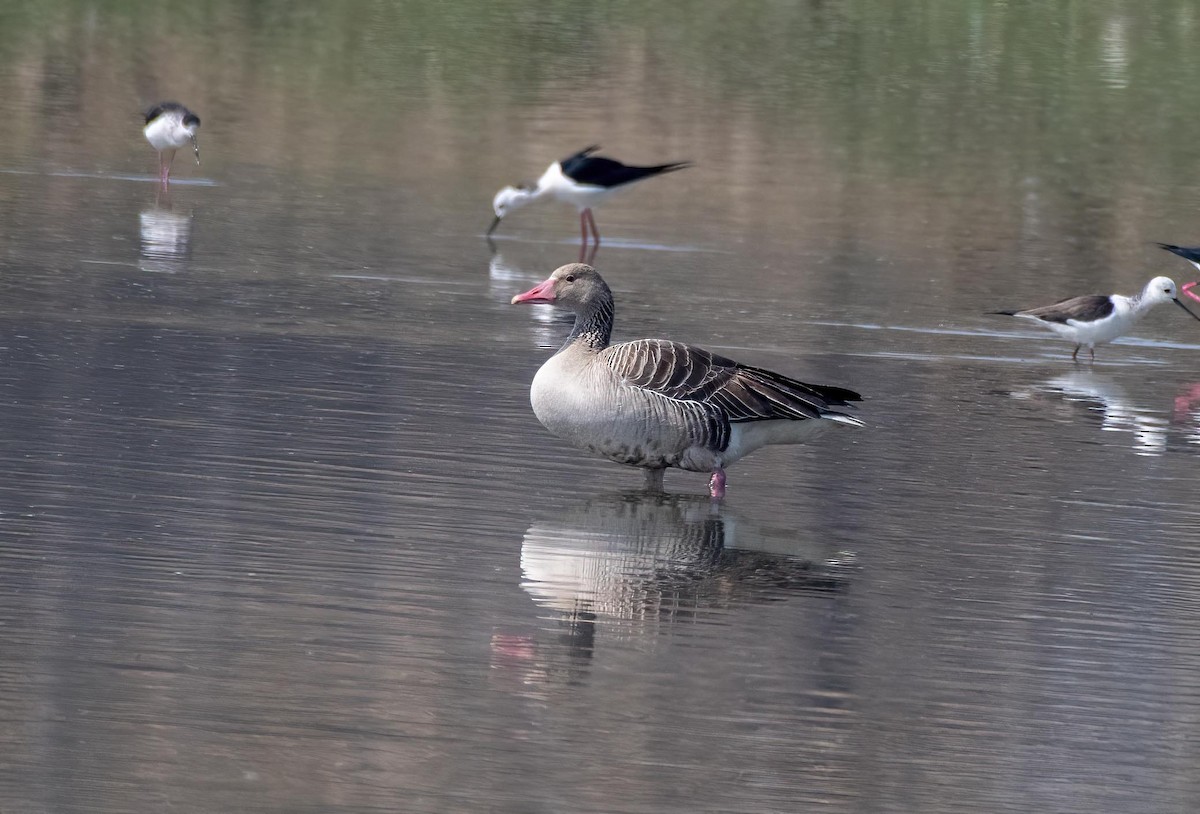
<point>575,287</point>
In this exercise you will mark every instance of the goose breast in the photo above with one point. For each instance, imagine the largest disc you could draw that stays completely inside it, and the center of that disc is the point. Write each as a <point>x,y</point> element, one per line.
<point>583,402</point>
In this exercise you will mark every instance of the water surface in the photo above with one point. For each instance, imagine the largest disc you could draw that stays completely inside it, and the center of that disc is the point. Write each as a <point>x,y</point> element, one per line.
<point>279,532</point>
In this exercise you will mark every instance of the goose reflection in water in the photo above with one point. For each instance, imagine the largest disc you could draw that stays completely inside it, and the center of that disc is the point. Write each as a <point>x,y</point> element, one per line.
<point>166,238</point>
<point>1100,396</point>
<point>635,564</point>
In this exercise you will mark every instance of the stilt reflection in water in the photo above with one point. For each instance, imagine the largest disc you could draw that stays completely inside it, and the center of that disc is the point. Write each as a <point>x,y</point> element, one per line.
<point>1098,396</point>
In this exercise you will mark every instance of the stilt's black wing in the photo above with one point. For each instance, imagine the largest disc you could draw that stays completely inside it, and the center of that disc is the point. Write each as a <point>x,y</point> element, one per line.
<point>584,168</point>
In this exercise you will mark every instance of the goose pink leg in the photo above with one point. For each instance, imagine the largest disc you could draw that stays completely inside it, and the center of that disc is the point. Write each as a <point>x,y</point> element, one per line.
<point>654,480</point>
<point>716,485</point>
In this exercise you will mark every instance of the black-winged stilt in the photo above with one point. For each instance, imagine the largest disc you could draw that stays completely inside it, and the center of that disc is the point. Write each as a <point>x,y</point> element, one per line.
<point>1094,319</point>
<point>582,179</point>
<point>169,126</point>
<point>1192,255</point>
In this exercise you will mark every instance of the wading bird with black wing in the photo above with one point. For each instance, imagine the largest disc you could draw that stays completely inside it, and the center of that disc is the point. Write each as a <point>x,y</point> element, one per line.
<point>583,180</point>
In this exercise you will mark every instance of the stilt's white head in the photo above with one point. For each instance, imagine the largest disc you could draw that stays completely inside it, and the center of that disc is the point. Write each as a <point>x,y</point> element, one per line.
<point>510,199</point>
<point>1162,289</point>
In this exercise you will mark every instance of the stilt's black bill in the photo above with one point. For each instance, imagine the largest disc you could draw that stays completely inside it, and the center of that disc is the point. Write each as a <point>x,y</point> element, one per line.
<point>1185,308</point>
<point>496,223</point>
<point>196,148</point>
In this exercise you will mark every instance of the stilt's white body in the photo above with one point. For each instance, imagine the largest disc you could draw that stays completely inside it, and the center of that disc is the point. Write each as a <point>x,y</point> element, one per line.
<point>1093,320</point>
<point>1097,332</point>
<point>169,126</point>
<point>581,196</point>
<point>168,132</point>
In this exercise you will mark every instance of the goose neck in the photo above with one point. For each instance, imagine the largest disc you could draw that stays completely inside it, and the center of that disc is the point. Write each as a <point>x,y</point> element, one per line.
<point>593,326</point>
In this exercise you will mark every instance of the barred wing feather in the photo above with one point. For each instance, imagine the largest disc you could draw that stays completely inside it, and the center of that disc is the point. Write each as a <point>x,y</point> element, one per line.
<point>743,393</point>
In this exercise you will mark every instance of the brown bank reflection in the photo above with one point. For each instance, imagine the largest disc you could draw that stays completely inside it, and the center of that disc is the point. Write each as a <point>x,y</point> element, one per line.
<point>636,564</point>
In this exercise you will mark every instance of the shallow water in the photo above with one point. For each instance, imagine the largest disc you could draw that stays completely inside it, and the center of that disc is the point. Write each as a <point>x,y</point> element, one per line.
<point>279,532</point>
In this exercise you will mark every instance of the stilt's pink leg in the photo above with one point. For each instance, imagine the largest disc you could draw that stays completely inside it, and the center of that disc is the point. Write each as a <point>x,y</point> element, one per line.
<point>595,231</point>
<point>1187,289</point>
<point>716,485</point>
<point>164,162</point>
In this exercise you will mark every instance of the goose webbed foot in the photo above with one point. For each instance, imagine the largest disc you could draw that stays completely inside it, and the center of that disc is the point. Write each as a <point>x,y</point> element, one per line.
<point>654,480</point>
<point>716,484</point>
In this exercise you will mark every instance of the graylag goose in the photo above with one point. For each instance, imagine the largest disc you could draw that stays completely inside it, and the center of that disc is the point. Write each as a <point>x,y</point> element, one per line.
<point>653,403</point>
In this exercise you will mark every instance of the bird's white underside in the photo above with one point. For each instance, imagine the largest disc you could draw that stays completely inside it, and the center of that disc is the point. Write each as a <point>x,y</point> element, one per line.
<point>167,132</point>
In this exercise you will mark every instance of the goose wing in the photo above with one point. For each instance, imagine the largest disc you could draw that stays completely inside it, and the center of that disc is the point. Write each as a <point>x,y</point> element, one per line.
<point>742,393</point>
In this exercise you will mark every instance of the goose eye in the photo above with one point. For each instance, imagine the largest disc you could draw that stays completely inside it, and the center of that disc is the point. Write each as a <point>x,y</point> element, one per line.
<point>570,278</point>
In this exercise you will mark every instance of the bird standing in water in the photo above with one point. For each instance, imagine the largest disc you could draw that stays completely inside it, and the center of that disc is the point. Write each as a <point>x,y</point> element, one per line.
<point>1094,319</point>
<point>169,126</point>
<point>1192,255</point>
<point>582,179</point>
<point>653,403</point>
